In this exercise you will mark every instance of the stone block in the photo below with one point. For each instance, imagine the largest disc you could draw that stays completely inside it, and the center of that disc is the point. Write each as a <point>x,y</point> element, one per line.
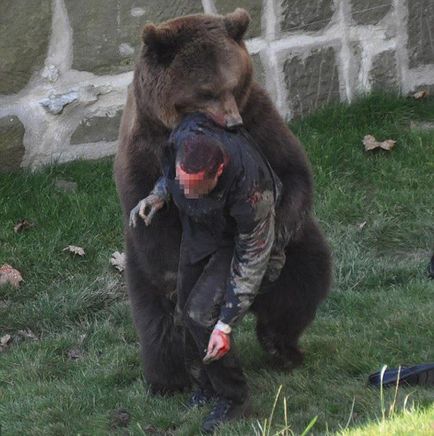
<point>307,16</point>
<point>254,7</point>
<point>11,143</point>
<point>97,129</point>
<point>420,32</point>
<point>312,80</point>
<point>25,28</point>
<point>258,69</point>
<point>384,71</point>
<point>107,33</point>
<point>369,11</point>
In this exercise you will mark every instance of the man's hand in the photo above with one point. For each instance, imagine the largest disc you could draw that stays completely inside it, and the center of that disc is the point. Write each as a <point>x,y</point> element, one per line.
<point>146,209</point>
<point>219,344</point>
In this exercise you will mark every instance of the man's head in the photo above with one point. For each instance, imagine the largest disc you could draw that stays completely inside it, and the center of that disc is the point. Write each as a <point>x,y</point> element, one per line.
<point>200,161</point>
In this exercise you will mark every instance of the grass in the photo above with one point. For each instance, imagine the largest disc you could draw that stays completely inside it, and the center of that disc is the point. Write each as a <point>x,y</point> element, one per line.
<point>380,311</point>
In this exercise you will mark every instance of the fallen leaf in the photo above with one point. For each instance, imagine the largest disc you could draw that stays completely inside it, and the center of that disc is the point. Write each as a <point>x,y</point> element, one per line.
<point>150,429</point>
<point>371,143</point>
<point>420,94</point>
<point>27,334</point>
<point>74,249</point>
<point>10,275</point>
<point>23,225</point>
<point>75,354</point>
<point>65,185</point>
<point>363,224</point>
<point>120,418</point>
<point>118,260</point>
<point>4,340</point>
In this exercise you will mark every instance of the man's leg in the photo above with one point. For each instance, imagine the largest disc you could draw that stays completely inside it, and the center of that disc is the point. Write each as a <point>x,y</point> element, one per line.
<point>188,274</point>
<point>201,312</point>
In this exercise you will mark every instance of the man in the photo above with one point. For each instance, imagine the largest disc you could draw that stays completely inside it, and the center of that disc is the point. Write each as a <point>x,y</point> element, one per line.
<point>226,193</point>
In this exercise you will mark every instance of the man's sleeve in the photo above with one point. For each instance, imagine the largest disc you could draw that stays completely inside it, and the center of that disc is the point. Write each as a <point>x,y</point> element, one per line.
<point>160,189</point>
<point>167,166</point>
<point>255,221</point>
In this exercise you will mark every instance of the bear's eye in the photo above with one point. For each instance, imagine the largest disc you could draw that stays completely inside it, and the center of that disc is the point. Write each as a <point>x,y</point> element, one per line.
<point>207,95</point>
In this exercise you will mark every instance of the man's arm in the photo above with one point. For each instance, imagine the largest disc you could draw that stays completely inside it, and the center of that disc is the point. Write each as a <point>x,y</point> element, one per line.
<point>253,245</point>
<point>159,196</point>
<point>149,206</point>
<point>251,254</point>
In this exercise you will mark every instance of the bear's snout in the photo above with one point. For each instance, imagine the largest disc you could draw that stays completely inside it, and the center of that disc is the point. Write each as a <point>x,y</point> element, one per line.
<point>232,121</point>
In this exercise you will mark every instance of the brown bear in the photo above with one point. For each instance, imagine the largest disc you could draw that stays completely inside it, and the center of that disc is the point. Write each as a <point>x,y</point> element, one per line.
<point>200,63</point>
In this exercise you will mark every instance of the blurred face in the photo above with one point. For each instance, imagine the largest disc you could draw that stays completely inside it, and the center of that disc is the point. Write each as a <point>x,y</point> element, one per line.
<point>197,185</point>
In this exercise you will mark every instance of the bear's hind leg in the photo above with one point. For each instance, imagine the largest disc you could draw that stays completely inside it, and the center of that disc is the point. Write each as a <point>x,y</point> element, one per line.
<point>288,306</point>
<point>280,345</point>
<point>160,340</point>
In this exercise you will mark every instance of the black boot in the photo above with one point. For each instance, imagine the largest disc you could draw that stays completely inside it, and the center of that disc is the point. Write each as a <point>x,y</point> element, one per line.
<point>200,397</point>
<point>225,410</point>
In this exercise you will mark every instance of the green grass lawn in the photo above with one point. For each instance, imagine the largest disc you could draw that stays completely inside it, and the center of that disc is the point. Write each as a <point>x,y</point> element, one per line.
<point>381,310</point>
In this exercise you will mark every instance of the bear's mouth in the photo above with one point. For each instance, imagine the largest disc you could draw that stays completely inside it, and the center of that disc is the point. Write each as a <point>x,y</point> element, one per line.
<point>227,122</point>
<point>218,119</point>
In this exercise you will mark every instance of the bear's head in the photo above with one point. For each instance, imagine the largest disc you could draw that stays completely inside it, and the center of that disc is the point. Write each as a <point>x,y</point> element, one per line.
<point>195,63</point>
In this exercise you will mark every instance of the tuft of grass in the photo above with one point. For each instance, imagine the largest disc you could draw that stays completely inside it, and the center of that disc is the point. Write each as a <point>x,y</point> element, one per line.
<point>85,364</point>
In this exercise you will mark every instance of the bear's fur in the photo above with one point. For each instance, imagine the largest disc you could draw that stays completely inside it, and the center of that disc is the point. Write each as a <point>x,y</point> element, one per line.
<point>200,63</point>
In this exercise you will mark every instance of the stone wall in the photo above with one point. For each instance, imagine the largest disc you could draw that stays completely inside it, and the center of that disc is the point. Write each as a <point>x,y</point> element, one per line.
<point>65,64</point>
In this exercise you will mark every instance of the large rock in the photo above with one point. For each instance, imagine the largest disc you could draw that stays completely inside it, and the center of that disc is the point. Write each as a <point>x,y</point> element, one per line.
<point>97,129</point>
<point>25,28</point>
<point>421,32</point>
<point>107,33</point>
<point>254,7</point>
<point>312,81</point>
<point>370,11</point>
<point>384,71</point>
<point>11,143</point>
<point>302,15</point>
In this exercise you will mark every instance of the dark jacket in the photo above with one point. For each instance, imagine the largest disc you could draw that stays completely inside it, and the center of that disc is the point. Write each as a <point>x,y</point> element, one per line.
<point>239,211</point>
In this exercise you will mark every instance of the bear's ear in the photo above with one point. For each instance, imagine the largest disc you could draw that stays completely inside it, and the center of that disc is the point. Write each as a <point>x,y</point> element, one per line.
<point>236,23</point>
<point>161,41</point>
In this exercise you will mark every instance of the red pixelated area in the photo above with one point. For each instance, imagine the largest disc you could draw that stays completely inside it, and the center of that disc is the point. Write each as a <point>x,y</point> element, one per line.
<point>195,185</point>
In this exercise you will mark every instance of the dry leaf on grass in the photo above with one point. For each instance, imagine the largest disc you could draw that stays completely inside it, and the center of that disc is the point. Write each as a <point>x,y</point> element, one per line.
<point>371,143</point>
<point>27,334</point>
<point>10,275</point>
<point>120,418</point>
<point>118,260</point>
<point>420,94</point>
<point>361,225</point>
<point>75,354</point>
<point>4,342</point>
<point>74,250</point>
<point>23,225</point>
